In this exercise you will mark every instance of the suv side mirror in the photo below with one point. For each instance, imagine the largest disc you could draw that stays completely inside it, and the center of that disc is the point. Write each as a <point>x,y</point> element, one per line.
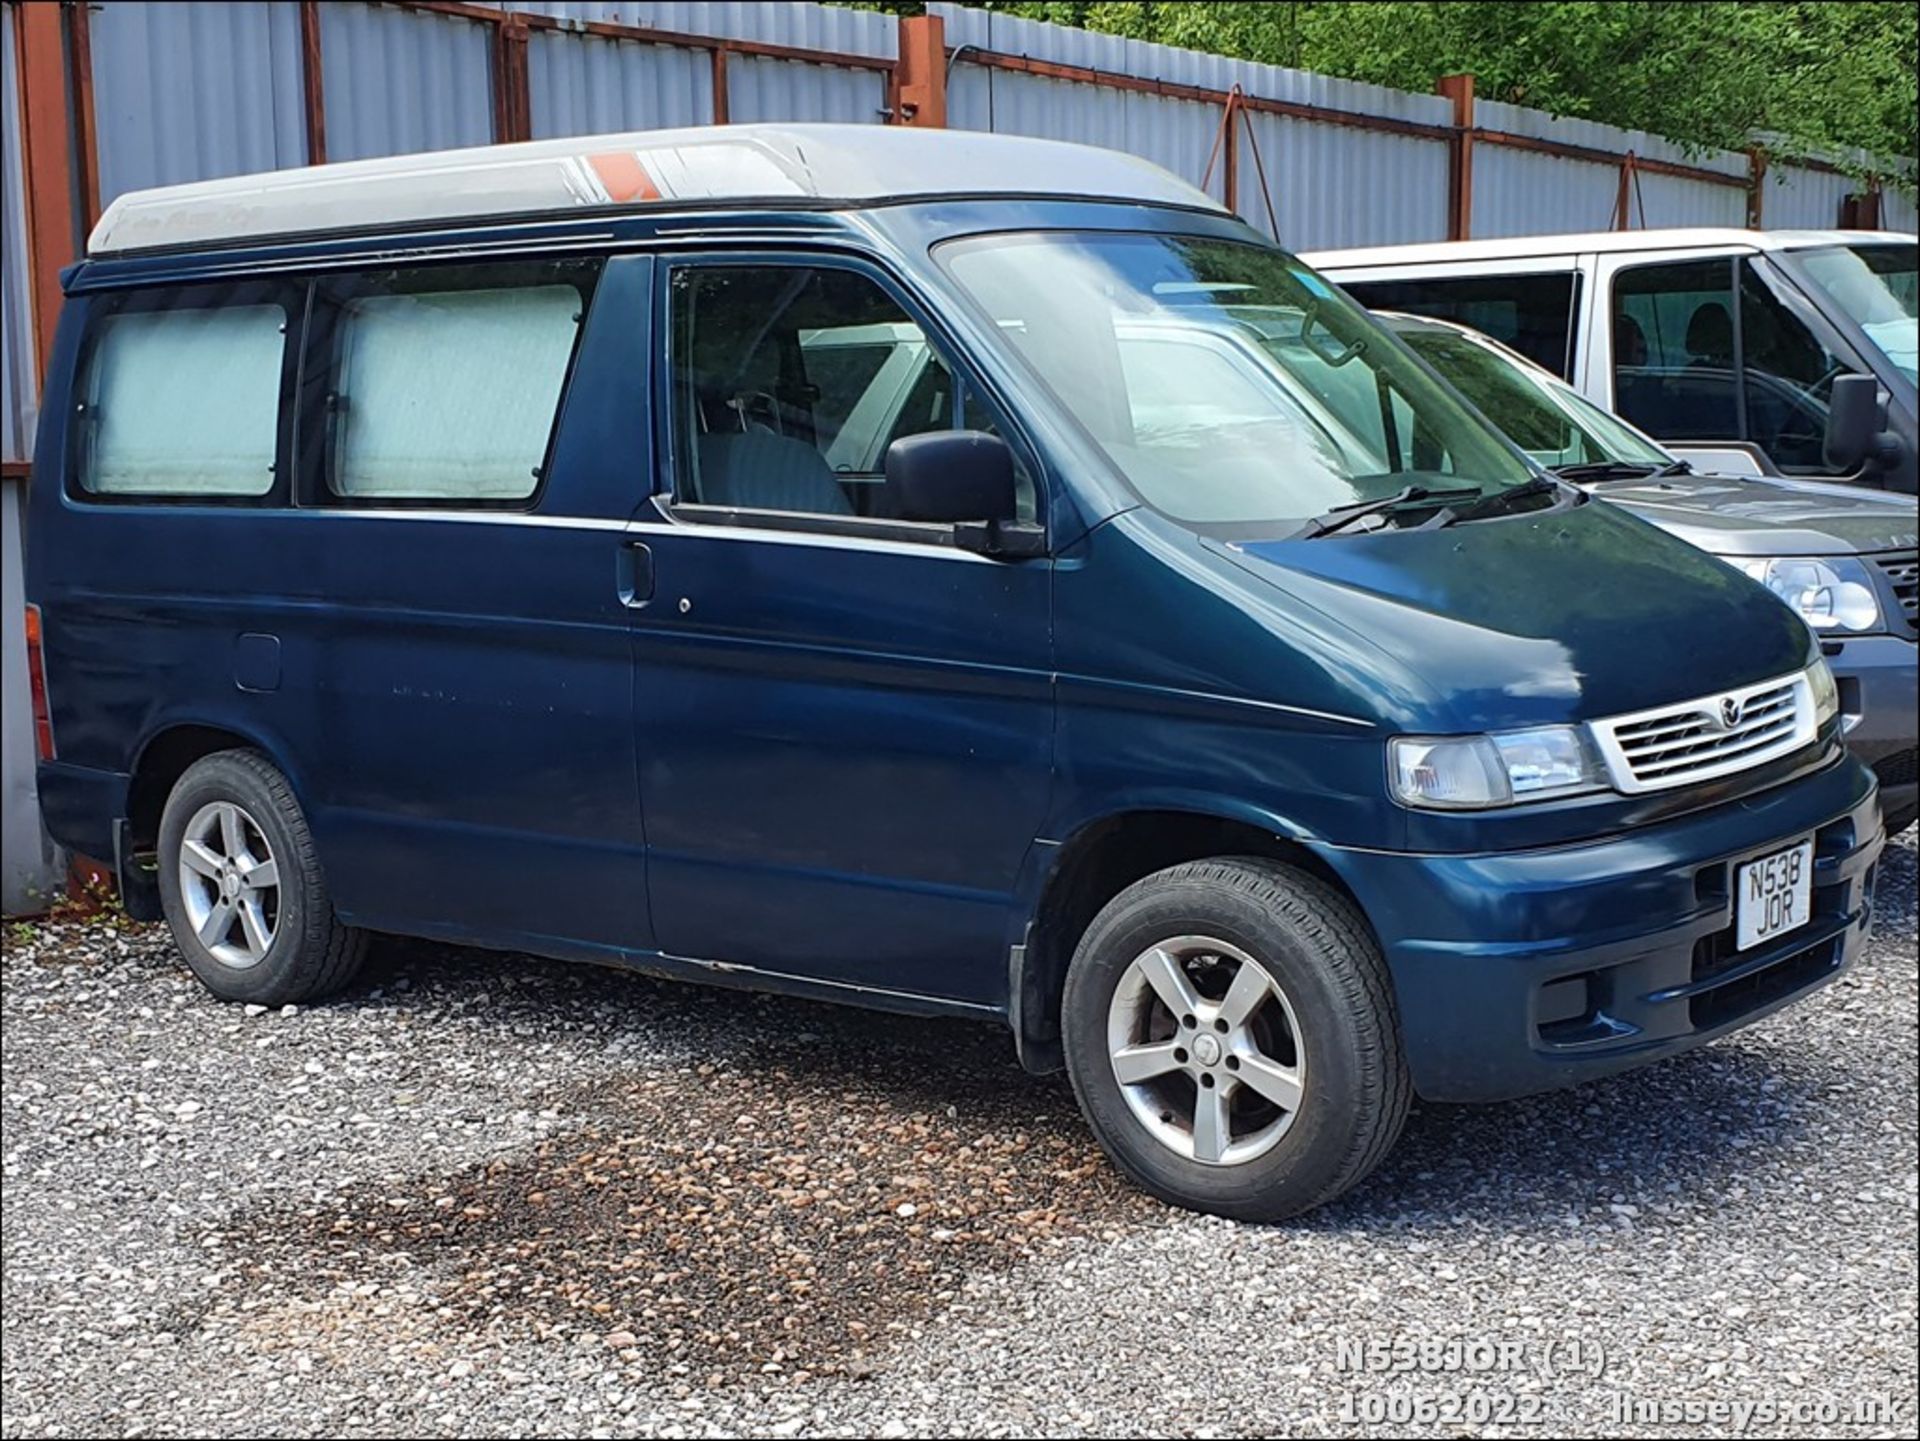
<point>952,475</point>
<point>1853,422</point>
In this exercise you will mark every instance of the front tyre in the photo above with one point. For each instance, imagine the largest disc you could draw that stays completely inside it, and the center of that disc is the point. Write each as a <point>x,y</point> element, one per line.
<point>1231,1035</point>
<point>242,889</point>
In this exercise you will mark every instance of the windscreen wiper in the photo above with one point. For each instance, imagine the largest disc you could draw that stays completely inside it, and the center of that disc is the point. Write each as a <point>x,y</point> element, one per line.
<point>1502,501</point>
<point>1609,470</point>
<point>1342,516</point>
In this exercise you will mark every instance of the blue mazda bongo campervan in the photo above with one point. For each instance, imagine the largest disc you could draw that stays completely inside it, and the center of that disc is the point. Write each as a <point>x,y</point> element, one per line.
<point>547,547</point>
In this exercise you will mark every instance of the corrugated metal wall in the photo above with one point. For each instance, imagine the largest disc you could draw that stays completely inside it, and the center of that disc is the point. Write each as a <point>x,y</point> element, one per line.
<point>1335,185</point>
<point>192,92</point>
<point>1524,192</point>
<point>1518,192</point>
<point>1804,199</point>
<point>16,310</point>
<point>1898,212</point>
<point>584,85</point>
<point>632,86</point>
<point>1174,133</point>
<point>399,81</point>
<point>764,89</point>
<point>810,27</point>
<point>26,858</point>
<point>1329,184</point>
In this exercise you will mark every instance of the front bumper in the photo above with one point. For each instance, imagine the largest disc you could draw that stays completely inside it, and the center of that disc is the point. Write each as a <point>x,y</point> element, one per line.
<point>1518,972</point>
<point>1877,676</point>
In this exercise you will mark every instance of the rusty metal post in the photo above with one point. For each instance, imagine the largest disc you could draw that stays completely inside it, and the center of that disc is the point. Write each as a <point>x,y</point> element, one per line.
<point>28,866</point>
<point>1628,191</point>
<point>1459,89</point>
<point>1230,122</point>
<point>47,159</point>
<point>1226,145</point>
<point>921,72</point>
<point>721,105</point>
<point>1756,186</point>
<point>312,82</point>
<point>512,105</point>
<point>86,151</point>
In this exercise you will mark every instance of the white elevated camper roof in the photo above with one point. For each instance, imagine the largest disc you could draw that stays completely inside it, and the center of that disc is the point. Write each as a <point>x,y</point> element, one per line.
<point>851,163</point>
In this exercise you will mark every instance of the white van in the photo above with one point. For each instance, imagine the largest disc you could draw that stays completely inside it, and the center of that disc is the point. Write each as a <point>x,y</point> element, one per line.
<point>1722,344</point>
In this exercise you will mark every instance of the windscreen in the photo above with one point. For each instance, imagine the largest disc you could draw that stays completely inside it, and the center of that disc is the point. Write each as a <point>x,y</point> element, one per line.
<point>1541,414</point>
<point>1228,383</point>
<point>1875,286</point>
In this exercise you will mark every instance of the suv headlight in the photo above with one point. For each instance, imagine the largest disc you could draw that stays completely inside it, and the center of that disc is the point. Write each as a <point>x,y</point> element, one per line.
<point>1469,773</point>
<point>1832,593</point>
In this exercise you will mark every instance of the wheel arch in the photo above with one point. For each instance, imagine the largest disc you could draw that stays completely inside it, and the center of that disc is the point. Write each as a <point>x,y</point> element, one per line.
<point>1101,857</point>
<point>161,757</point>
<point>164,754</point>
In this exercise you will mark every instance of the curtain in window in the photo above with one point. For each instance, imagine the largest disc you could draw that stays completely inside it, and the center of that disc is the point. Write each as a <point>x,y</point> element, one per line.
<point>184,402</point>
<point>451,394</point>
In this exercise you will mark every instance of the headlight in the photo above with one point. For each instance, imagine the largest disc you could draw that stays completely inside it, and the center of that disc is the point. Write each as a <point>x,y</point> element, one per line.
<point>1826,694</point>
<point>1480,772</point>
<point>1832,593</point>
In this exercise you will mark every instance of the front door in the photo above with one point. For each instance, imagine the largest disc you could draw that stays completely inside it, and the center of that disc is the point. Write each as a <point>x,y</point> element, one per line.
<point>845,721</point>
<point>1721,349</point>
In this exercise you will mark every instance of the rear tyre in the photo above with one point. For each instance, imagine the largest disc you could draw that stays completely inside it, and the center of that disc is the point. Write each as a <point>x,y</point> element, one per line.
<point>242,888</point>
<point>1231,1035</point>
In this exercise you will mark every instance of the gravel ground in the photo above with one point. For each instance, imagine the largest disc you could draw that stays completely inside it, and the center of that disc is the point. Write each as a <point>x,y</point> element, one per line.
<point>490,1195</point>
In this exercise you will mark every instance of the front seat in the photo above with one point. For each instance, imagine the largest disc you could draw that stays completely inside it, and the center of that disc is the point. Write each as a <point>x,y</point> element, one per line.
<point>1710,337</point>
<point>757,470</point>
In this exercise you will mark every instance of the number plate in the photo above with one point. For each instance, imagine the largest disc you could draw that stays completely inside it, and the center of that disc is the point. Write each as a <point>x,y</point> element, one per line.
<point>1775,895</point>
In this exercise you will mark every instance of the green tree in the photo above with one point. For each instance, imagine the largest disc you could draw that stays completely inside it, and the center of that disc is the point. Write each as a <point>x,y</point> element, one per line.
<point>1816,75</point>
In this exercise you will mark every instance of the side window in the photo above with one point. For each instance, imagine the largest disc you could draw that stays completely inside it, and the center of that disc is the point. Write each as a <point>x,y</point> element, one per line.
<point>180,394</point>
<point>441,386</point>
<point>1673,353</point>
<point>790,382</point>
<point>1787,374</point>
<point>1533,314</point>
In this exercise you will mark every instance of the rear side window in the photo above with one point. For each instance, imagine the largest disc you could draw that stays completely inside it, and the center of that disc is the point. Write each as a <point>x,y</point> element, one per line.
<point>181,392</point>
<point>442,386</point>
<point>1533,314</point>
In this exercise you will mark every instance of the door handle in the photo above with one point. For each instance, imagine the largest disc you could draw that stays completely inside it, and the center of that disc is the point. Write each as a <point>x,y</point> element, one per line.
<point>633,573</point>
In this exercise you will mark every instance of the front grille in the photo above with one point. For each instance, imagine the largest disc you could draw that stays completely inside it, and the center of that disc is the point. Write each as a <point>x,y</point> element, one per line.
<point>1902,570</point>
<point>1715,735</point>
<point>1790,973</point>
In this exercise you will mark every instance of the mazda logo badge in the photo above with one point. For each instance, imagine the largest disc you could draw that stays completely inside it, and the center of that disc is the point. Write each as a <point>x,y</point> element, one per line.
<point>1730,712</point>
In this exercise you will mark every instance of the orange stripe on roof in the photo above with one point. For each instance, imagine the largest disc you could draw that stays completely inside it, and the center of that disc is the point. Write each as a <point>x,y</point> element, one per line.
<point>624,176</point>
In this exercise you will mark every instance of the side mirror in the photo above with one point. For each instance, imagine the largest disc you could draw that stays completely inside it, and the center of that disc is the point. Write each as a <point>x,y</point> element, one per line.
<point>952,476</point>
<point>1853,422</point>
